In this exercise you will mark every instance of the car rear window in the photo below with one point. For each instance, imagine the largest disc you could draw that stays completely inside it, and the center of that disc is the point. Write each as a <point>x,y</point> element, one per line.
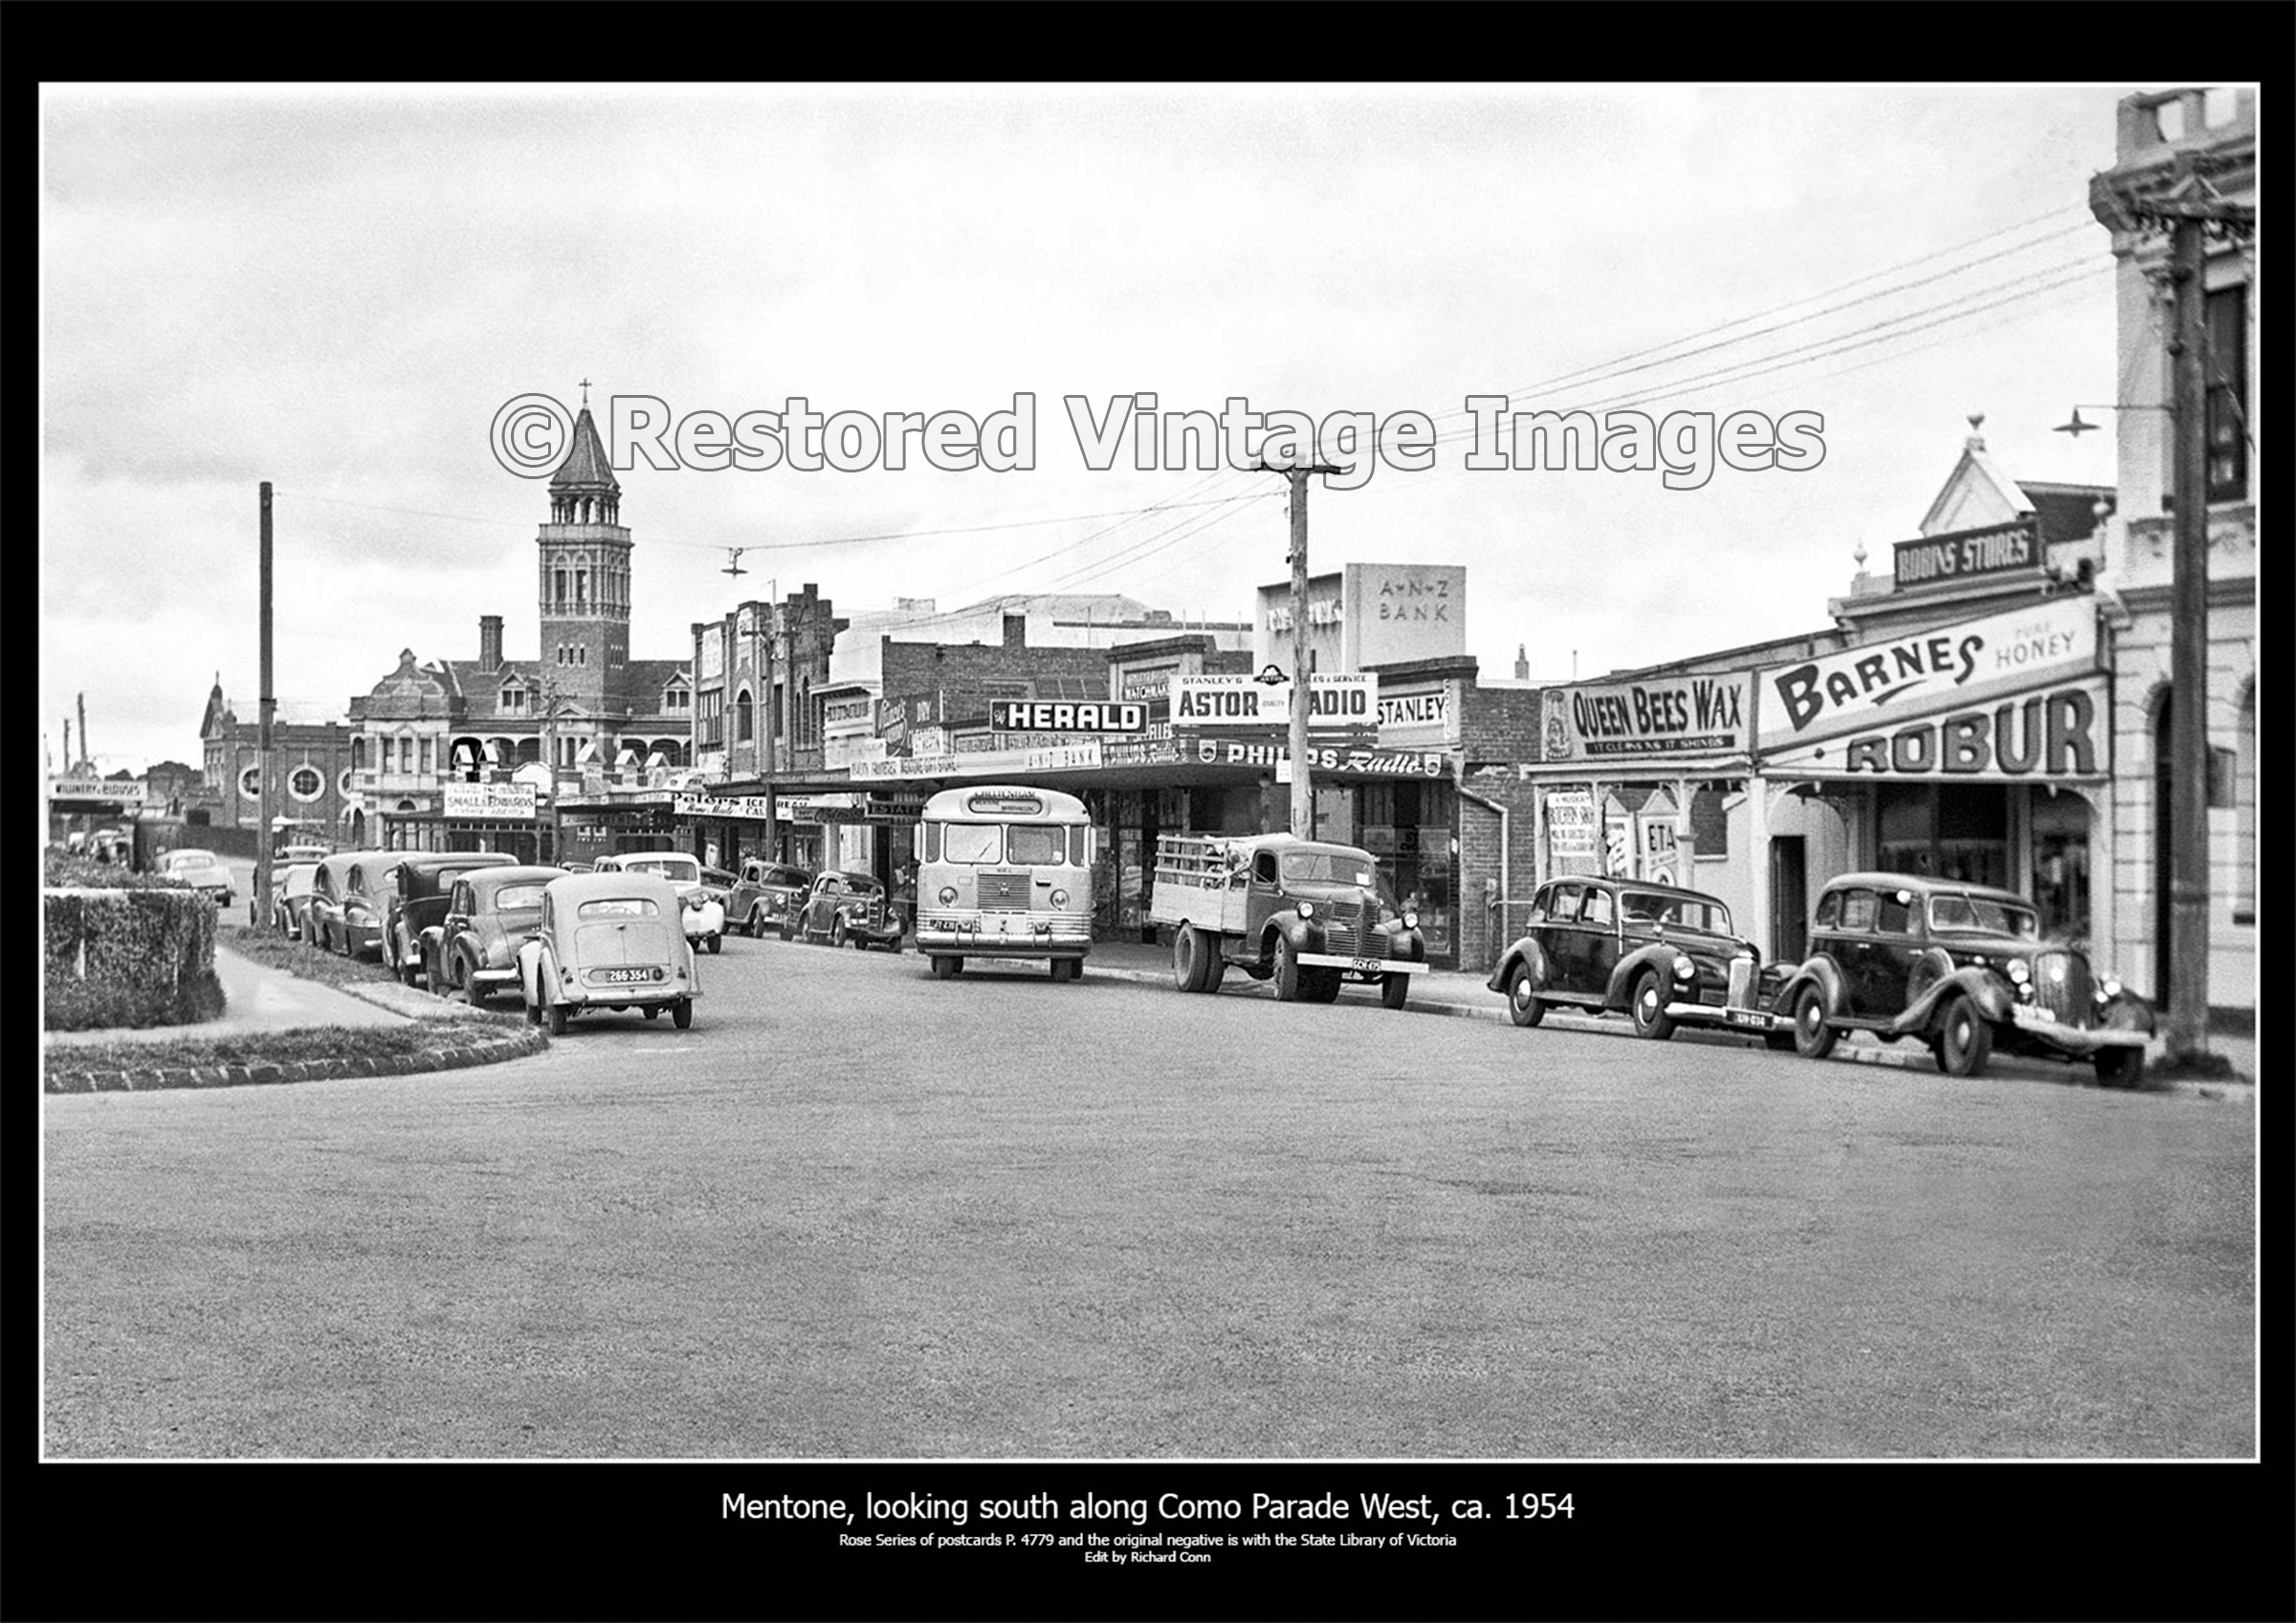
<point>1858,909</point>
<point>518,898</point>
<point>619,907</point>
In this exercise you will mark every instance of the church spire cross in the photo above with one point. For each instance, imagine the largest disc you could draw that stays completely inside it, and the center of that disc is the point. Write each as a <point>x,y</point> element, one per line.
<point>585,394</point>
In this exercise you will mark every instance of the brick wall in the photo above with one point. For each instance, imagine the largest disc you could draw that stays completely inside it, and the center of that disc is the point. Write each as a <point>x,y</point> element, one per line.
<point>1499,726</point>
<point>963,671</point>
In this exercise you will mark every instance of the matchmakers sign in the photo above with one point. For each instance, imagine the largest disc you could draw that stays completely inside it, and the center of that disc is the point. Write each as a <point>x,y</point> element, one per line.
<point>1666,717</point>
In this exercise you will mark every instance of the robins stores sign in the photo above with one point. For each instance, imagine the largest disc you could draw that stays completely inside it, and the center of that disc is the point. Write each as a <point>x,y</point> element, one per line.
<point>1995,551</point>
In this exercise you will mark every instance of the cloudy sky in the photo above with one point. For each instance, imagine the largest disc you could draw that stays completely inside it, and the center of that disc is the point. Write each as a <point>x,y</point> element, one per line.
<point>337,291</point>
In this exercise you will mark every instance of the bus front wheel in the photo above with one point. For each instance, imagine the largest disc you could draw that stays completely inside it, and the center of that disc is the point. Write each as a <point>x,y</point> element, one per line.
<point>944,967</point>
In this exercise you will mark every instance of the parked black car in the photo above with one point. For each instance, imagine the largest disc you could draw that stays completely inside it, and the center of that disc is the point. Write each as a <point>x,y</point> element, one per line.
<point>414,895</point>
<point>765,895</point>
<point>1961,968</point>
<point>1663,957</point>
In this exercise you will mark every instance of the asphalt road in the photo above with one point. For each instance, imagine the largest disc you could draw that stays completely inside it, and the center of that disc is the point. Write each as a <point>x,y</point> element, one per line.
<point>858,1213</point>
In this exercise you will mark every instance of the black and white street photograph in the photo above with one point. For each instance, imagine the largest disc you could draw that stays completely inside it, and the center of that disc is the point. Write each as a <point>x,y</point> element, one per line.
<point>1156,848</point>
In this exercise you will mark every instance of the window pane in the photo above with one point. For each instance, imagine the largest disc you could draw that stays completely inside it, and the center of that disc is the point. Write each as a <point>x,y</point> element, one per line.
<point>972,842</point>
<point>1032,844</point>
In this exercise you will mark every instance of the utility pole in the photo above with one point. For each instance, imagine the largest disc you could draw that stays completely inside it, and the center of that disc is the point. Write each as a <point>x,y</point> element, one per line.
<point>1303,792</point>
<point>2179,201</point>
<point>266,705</point>
<point>86,754</point>
<point>549,697</point>
<point>69,762</point>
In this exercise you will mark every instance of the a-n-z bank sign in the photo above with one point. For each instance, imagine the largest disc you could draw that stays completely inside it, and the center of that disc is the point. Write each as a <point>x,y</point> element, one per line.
<point>2011,697</point>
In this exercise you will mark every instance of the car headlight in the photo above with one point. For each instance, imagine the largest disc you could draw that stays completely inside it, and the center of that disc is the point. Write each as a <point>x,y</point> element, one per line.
<point>1060,898</point>
<point>2109,986</point>
<point>1685,970</point>
<point>2018,971</point>
<point>1306,909</point>
<point>948,896</point>
<point>1411,921</point>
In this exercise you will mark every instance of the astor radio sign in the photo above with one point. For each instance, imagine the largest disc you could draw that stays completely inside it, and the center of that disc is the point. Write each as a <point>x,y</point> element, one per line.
<point>1628,720</point>
<point>1341,706</point>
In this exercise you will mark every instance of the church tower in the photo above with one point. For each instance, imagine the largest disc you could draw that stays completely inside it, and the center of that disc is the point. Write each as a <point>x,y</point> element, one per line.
<point>585,577</point>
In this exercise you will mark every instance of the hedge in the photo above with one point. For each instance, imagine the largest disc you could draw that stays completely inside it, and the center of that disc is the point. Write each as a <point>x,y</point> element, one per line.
<point>139,957</point>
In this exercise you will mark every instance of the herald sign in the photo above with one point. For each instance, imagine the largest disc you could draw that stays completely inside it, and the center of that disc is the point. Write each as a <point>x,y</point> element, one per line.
<point>1016,716</point>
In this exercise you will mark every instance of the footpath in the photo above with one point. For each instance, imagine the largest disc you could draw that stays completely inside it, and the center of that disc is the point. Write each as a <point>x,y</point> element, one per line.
<point>260,999</point>
<point>1463,995</point>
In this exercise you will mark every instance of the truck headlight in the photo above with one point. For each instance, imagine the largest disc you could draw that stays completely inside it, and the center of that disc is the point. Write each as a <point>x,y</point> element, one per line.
<point>1306,909</point>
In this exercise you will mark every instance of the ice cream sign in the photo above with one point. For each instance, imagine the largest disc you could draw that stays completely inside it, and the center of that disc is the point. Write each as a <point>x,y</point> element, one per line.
<point>1949,667</point>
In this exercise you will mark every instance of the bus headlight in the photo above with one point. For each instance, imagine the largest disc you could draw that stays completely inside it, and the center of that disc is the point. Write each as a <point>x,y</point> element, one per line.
<point>948,896</point>
<point>1306,909</point>
<point>1060,898</point>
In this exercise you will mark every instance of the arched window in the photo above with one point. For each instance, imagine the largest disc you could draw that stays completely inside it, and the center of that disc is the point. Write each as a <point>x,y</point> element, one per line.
<point>359,753</point>
<point>742,716</point>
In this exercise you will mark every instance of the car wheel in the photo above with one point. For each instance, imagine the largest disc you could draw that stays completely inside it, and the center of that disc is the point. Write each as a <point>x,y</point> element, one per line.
<point>410,973</point>
<point>1287,972</point>
<point>837,935</point>
<point>1524,1005</point>
<point>651,1010</point>
<point>681,1013</point>
<point>534,1015</point>
<point>1395,991</point>
<point>472,993</point>
<point>717,943</point>
<point>1966,1042</point>
<point>1813,1038</point>
<point>788,933</point>
<point>555,1017</point>
<point>2121,1067</point>
<point>1649,1008</point>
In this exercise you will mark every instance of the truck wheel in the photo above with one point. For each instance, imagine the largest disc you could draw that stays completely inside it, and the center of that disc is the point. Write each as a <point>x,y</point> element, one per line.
<point>1187,959</point>
<point>1395,991</point>
<point>1813,1038</point>
<point>1649,1009</point>
<point>1323,986</point>
<point>1966,1042</point>
<point>1286,973</point>
<point>1524,1005</point>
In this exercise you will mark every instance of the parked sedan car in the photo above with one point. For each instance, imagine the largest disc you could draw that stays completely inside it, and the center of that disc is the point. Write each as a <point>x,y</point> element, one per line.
<point>290,897</point>
<point>473,947</point>
<point>416,891</point>
<point>846,908</point>
<point>703,908</point>
<point>202,870</point>
<point>1961,968</point>
<point>764,894</point>
<point>327,916</point>
<point>610,940</point>
<point>1665,957</point>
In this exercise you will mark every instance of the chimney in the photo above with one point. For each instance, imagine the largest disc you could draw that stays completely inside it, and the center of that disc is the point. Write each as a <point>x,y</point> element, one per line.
<point>1016,630</point>
<point>1522,664</point>
<point>490,642</point>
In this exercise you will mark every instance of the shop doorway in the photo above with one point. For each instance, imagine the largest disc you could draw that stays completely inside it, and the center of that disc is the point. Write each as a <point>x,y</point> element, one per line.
<point>1788,897</point>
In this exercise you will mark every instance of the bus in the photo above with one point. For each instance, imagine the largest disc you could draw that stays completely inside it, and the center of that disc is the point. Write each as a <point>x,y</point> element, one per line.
<point>1005,871</point>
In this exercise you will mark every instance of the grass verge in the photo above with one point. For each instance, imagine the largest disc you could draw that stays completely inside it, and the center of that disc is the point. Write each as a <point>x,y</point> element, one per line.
<point>277,1047</point>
